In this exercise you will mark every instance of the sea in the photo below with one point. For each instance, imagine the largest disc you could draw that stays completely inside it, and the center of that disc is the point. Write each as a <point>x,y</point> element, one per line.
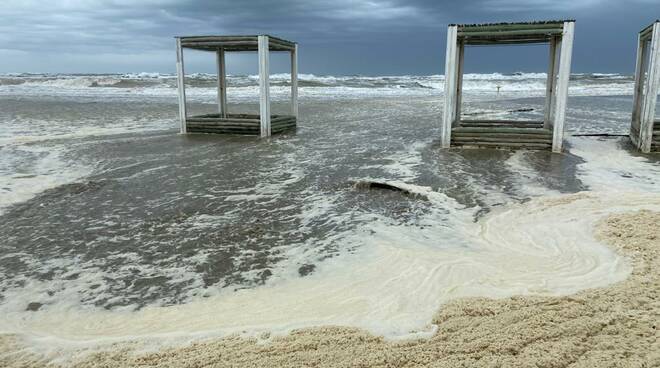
<point>115,226</point>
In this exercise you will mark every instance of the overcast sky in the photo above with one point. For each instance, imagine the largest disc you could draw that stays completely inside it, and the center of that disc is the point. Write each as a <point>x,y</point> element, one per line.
<point>339,37</point>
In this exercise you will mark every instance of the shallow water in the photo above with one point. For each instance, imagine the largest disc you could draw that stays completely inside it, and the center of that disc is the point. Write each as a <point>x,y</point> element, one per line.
<point>105,208</point>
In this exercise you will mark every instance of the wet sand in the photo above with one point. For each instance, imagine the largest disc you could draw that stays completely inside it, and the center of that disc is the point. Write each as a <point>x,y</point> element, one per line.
<point>614,326</point>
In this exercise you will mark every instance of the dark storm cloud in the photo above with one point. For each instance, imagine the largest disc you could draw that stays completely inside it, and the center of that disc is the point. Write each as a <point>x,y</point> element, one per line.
<point>340,37</point>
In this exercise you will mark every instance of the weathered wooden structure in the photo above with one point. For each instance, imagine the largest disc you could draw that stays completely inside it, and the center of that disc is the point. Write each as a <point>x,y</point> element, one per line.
<point>645,127</point>
<point>546,134</point>
<point>263,124</point>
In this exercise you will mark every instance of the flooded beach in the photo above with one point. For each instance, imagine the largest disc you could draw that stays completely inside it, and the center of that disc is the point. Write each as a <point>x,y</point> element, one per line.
<point>115,227</point>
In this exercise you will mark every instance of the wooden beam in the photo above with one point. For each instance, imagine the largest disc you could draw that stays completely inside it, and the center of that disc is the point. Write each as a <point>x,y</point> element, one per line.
<point>264,86</point>
<point>651,92</point>
<point>550,84</point>
<point>222,83</point>
<point>450,87</point>
<point>181,86</point>
<point>564,73</point>
<point>506,41</point>
<point>506,33</point>
<point>501,130</point>
<point>294,81</point>
<point>510,26</point>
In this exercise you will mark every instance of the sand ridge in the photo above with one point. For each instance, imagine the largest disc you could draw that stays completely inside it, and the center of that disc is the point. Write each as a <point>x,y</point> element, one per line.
<point>615,326</point>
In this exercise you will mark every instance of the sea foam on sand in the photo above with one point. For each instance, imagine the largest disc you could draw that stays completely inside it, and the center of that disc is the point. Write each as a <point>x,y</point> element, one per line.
<point>393,285</point>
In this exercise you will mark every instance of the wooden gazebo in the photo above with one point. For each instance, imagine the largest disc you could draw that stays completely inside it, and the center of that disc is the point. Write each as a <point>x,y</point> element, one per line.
<point>546,134</point>
<point>263,124</point>
<point>645,128</point>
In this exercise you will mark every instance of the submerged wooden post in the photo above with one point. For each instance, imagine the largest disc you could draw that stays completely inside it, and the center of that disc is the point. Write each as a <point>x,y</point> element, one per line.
<point>647,118</point>
<point>561,87</point>
<point>450,86</point>
<point>264,86</point>
<point>222,83</point>
<point>181,86</point>
<point>294,81</point>
<point>550,84</point>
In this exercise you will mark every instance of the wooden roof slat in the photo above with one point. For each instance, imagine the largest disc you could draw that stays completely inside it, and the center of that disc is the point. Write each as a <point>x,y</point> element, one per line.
<point>514,25</point>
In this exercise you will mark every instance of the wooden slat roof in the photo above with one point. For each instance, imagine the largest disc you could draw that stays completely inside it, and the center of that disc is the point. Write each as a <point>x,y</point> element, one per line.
<point>510,33</point>
<point>234,43</point>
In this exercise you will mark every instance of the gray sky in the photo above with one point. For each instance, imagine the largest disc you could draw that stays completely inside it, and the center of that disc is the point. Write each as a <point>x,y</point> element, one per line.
<point>341,37</point>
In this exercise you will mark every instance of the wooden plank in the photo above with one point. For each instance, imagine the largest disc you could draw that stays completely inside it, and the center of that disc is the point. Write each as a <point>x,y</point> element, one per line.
<point>264,86</point>
<point>274,119</point>
<point>223,125</point>
<point>505,145</point>
<point>650,96</point>
<point>217,120</point>
<point>450,87</point>
<point>219,128</point>
<point>508,33</point>
<point>228,132</point>
<point>206,124</point>
<point>512,136</point>
<point>511,26</point>
<point>501,121</point>
<point>456,139</point>
<point>564,72</point>
<point>228,38</point>
<point>229,116</point>
<point>502,125</point>
<point>222,83</point>
<point>274,44</point>
<point>250,44</point>
<point>283,120</point>
<point>507,41</point>
<point>294,81</point>
<point>181,86</point>
<point>506,130</point>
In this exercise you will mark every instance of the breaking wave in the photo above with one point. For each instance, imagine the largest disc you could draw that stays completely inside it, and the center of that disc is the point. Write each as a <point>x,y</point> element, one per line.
<point>203,85</point>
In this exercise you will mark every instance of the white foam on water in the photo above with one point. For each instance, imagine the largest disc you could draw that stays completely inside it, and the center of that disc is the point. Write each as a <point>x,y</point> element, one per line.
<point>244,88</point>
<point>528,180</point>
<point>40,168</point>
<point>402,165</point>
<point>609,168</point>
<point>19,131</point>
<point>391,285</point>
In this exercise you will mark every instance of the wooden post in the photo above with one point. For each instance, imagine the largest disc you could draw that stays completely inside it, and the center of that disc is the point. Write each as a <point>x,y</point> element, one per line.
<point>459,84</point>
<point>640,72</point>
<point>450,86</point>
<point>564,73</point>
<point>264,86</point>
<point>550,84</point>
<point>222,83</point>
<point>294,81</point>
<point>181,85</point>
<point>651,92</point>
